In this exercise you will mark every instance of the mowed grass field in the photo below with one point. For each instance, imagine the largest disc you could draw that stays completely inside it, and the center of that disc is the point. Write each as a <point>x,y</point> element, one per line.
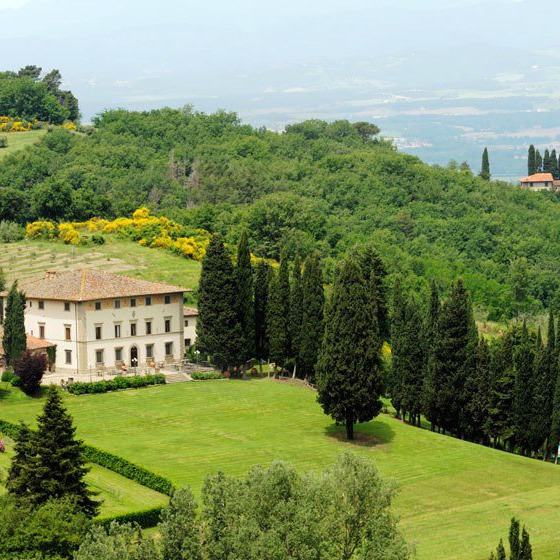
<point>28,260</point>
<point>20,140</point>
<point>118,494</point>
<point>455,498</point>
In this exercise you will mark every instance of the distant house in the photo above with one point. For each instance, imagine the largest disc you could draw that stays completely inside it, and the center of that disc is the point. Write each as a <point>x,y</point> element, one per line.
<point>34,345</point>
<point>190,315</point>
<point>539,182</point>
<point>103,321</point>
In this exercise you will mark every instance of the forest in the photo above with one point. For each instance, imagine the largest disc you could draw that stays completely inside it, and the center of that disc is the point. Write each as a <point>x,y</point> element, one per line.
<point>317,186</point>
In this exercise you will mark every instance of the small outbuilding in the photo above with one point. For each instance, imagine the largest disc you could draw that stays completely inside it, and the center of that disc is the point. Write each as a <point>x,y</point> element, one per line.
<point>539,182</point>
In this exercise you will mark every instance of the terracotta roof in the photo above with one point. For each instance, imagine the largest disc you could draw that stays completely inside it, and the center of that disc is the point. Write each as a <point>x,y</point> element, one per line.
<point>89,284</point>
<point>33,343</point>
<point>190,312</point>
<point>537,178</point>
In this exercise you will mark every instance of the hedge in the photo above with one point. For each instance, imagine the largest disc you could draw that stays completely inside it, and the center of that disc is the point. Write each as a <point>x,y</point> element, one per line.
<point>145,518</point>
<point>203,376</point>
<point>82,388</point>
<point>114,463</point>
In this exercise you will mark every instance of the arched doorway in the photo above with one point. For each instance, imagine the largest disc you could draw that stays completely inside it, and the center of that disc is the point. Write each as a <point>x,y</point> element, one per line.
<point>134,356</point>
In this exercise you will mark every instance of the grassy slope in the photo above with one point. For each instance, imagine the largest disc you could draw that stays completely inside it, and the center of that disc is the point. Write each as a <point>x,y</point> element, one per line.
<point>118,494</point>
<point>20,140</point>
<point>28,260</point>
<point>455,501</point>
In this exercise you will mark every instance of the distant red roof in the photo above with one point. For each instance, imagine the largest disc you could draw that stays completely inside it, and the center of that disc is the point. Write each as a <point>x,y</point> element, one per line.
<point>538,178</point>
<point>34,343</point>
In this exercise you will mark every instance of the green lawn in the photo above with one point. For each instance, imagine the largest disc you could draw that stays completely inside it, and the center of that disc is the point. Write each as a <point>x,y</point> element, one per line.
<point>455,500</point>
<point>118,494</point>
<point>19,140</point>
<point>28,260</point>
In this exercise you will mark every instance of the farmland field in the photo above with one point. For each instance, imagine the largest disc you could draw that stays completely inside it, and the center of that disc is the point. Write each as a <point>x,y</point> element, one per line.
<point>455,498</point>
<point>20,140</point>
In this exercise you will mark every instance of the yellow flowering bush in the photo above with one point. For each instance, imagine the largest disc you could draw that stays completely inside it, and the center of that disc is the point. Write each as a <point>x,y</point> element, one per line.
<point>40,230</point>
<point>8,124</point>
<point>68,234</point>
<point>70,126</point>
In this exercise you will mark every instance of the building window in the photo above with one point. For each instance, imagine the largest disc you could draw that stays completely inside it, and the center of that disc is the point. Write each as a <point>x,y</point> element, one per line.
<point>67,333</point>
<point>30,304</point>
<point>99,356</point>
<point>148,327</point>
<point>118,354</point>
<point>148,301</point>
<point>41,331</point>
<point>41,304</point>
<point>169,348</point>
<point>66,306</point>
<point>186,322</point>
<point>98,332</point>
<point>68,356</point>
<point>167,325</point>
<point>132,329</point>
<point>133,302</point>
<point>117,304</point>
<point>149,350</point>
<point>167,299</point>
<point>117,331</point>
<point>97,306</point>
<point>187,342</point>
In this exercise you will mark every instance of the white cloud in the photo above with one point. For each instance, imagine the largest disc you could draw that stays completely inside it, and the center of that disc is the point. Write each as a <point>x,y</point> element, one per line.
<point>13,4</point>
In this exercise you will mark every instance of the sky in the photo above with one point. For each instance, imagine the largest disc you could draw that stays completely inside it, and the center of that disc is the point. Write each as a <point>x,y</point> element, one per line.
<point>275,62</point>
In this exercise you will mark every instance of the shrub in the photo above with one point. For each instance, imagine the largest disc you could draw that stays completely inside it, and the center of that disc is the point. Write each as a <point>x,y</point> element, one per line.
<point>3,141</point>
<point>7,376</point>
<point>16,381</point>
<point>115,384</point>
<point>145,518</point>
<point>203,376</point>
<point>29,368</point>
<point>98,239</point>
<point>11,232</point>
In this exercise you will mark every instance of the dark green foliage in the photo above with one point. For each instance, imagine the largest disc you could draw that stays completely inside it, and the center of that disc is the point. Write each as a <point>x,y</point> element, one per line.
<point>30,367</point>
<point>83,388</point>
<point>531,164</point>
<point>51,462</point>
<point>180,538</point>
<point>218,329</point>
<point>348,375</point>
<point>538,162</point>
<point>520,548</point>
<point>485,169</point>
<point>263,277</point>
<point>296,309</point>
<point>278,315</point>
<point>514,542</point>
<point>246,311</point>
<point>398,347</point>
<point>554,164</point>
<point>452,361</point>
<point>14,339</point>
<point>145,518</point>
<point>128,470</point>
<point>7,376</point>
<point>51,530</point>
<point>546,162</point>
<point>206,375</point>
<point>312,323</point>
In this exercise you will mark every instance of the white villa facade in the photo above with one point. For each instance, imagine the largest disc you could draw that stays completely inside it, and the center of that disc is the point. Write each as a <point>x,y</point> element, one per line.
<point>539,182</point>
<point>190,315</point>
<point>104,321</point>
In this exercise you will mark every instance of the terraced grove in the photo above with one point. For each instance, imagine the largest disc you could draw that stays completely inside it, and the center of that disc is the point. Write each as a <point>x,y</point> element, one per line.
<point>455,499</point>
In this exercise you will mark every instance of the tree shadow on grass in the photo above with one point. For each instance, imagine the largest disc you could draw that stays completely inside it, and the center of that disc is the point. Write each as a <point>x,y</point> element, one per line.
<point>370,434</point>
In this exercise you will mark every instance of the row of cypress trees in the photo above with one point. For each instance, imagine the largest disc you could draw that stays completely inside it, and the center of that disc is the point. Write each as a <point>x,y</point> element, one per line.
<point>506,393</point>
<point>250,312</point>
<point>547,163</point>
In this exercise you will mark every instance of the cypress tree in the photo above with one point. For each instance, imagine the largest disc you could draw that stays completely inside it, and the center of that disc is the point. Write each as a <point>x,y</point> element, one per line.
<point>554,437</point>
<point>296,310</point>
<point>218,329</point>
<point>554,164</point>
<point>14,339</point>
<point>501,551</point>
<point>546,161</point>
<point>514,543</point>
<point>246,312</point>
<point>312,320</point>
<point>531,164</point>
<point>278,315</point>
<point>524,368</point>
<point>398,347</point>
<point>349,380</point>
<point>53,464</point>
<point>429,390</point>
<point>374,270</point>
<point>538,162</point>
<point>263,277</point>
<point>485,170</point>
<point>526,550</point>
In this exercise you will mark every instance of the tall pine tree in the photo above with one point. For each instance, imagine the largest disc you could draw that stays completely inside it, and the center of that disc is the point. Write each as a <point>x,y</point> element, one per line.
<point>51,464</point>
<point>349,380</point>
<point>219,331</point>
<point>398,347</point>
<point>546,161</point>
<point>538,162</point>
<point>246,311</point>
<point>485,169</point>
<point>430,389</point>
<point>531,164</point>
<point>296,310</point>
<point>263,277</point>
<point>312,328</point>
<point>278,315</point>
<point>14,339</point>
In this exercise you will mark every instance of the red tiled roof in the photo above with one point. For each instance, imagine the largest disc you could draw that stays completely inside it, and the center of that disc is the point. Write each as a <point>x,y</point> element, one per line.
<point>89,284</point>
<point>34,343</point>
<point>538,178</point>
<point>190,312</point>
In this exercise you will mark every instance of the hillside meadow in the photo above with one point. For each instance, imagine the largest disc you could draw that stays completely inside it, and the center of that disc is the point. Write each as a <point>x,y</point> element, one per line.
<point>19,140</point>
<point>455,498</point>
